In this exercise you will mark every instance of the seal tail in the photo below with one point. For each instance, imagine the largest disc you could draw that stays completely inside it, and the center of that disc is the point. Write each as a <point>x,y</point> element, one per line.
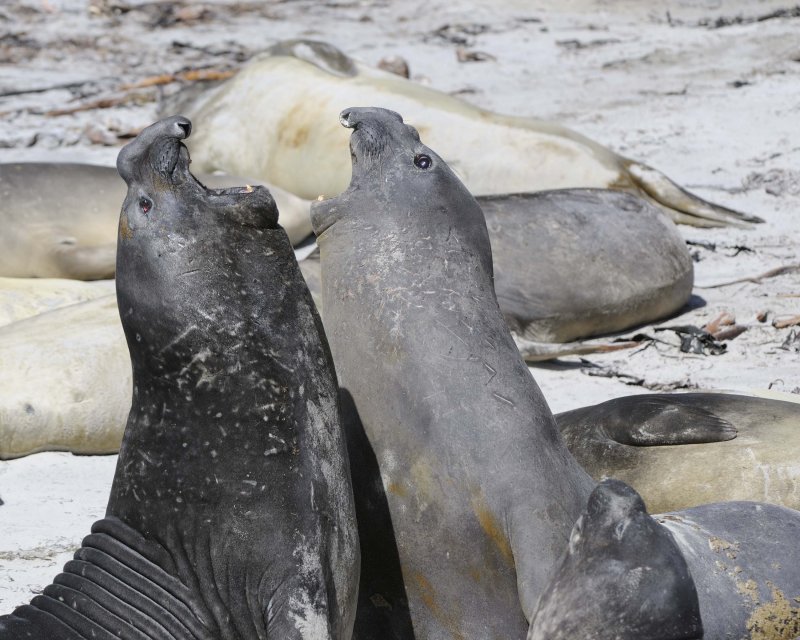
<point>684,207</point>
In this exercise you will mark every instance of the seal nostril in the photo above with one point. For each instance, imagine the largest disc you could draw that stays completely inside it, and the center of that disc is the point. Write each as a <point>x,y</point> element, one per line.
<point>186,127</point>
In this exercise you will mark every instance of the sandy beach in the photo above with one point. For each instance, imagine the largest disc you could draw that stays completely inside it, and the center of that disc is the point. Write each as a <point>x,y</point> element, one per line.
<point>706,92</point>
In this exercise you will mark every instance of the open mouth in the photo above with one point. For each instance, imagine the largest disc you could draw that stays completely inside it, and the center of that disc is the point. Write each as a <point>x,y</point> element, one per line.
<point>175,157</point>
<point>251,206</point>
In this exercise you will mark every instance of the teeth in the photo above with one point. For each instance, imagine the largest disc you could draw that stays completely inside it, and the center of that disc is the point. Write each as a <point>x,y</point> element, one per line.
<point>320,198</point>
<point>248,188</point>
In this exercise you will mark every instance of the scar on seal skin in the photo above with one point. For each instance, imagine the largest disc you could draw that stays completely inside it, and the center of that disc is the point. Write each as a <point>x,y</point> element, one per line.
<point>231,510</point>
<point>462,437</point>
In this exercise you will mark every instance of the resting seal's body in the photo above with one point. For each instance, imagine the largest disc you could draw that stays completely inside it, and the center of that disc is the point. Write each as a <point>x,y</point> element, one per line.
<point>673,450</point>
<point>577,263</point>
<point>65,380</point>
<point>231,513</point>
<point>622,578</point>
<point>60,219</point>
<point>463,441</point>
<point>22,298</point>
<point>295,90</point>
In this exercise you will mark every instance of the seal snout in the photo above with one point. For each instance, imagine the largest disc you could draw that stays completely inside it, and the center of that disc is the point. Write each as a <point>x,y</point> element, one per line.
<point>157,146</point>
<point>352,117</point>
<point>184,127</point>
<point>344,119</point>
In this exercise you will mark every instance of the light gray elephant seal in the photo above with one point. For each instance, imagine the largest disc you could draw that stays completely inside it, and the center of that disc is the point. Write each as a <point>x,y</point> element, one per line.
<point>622,578</point>
<point>408,300</point>
<point>576,263</point>
<point>480,489</point>
<point>275,120</point>
<point>673,448</point>
<point>231,513</point>
<point>60,219</point>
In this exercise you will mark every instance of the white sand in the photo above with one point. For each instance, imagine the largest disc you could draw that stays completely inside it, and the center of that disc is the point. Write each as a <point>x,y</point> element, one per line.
<point>617,71</point>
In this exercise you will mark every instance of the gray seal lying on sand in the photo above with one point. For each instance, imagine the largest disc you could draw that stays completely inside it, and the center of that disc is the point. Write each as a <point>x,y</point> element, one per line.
<point>275,121</point>
<point>231,511</point>
<point>60,219</point>
<point>577,263</point>
<point>673,449</point>
<point>462,440</point>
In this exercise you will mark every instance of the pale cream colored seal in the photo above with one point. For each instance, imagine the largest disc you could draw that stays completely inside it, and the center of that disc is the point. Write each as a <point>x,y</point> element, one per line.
<point>277,120</point>
<point>21,298</point>
<point>66,381</point>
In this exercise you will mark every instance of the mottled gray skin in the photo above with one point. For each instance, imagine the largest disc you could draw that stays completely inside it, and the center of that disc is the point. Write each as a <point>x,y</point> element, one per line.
<point>681,449</point>
<point>622,578</point>
<point>231,512</point>
<point>479,488</point>
<point>466,463</point>
<point>744,558</point>
<point>575,263</point>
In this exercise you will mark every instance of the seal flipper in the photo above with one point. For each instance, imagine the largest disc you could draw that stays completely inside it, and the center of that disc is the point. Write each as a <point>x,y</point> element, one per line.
<point>623,577</point>
<point>321,54</point>
<point>118,585</point>
<point>682,206</point>
<point>534,351</point>
<point>651,420</point>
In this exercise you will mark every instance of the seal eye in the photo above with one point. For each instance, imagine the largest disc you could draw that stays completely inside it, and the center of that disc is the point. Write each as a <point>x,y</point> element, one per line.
<point>145,205</point>
<point>423,161</point>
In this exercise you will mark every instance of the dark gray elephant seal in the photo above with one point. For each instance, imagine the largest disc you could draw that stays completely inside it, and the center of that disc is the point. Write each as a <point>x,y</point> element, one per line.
<point>60,219</point>
<point>682,449</point>
<point>231,512</point>
<point>622,578</point>
<point>469,463</point>
<point>452,414</point>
